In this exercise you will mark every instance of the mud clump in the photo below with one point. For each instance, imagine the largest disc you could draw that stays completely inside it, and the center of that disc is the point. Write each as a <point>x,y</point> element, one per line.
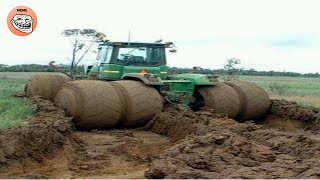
<point>140,149</point>
<point>291,110</point>
<point>44,136</point>
<point>179,124</point>
<point>224,148</point>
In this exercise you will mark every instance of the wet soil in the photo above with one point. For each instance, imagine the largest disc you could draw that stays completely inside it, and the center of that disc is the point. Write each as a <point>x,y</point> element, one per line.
<point>224,148</point>
<point>175,144</point>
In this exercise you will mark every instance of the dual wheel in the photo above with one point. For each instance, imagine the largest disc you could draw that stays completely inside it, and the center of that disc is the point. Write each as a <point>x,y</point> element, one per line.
<point>239,100</point>
<point>99,104</point>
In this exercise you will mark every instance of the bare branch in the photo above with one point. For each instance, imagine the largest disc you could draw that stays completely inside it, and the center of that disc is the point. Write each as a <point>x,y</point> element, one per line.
<point>86,51</point>
<point>82,40</point>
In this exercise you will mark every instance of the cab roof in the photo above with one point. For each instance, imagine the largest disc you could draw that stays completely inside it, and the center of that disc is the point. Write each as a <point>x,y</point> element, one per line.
<point>136,44</point>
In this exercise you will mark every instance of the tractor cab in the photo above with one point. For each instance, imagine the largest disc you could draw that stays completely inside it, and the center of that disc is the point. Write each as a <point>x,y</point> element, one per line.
<point>133,54</point>
<point>116,60</point>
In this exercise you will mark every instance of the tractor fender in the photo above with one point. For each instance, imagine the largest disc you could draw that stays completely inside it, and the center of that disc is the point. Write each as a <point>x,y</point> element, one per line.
<point>198,79</point>
<point>149,79</point>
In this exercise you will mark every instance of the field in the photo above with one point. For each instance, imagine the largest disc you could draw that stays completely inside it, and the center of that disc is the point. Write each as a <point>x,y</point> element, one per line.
<point>14,111</point>
<point>305,91</point>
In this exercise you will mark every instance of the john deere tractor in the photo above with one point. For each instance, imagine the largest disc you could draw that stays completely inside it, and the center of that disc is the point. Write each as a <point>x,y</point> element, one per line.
<point>130,84</point>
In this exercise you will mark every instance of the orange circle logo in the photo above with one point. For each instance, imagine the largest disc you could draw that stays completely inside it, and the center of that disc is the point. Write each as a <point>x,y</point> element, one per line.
<point>22,21</point>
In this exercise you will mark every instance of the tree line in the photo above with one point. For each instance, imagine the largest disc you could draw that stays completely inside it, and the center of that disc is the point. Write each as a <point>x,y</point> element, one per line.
<point>172,70</point>
<point>244,72</point>
<point>36,68</point>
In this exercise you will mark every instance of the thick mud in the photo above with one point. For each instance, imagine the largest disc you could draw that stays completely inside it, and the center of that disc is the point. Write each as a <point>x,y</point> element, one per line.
<point>291,110</point>
<point>223,148</point>
<point>44,136</point>
<point>175,144</point>
<point>51,148</point>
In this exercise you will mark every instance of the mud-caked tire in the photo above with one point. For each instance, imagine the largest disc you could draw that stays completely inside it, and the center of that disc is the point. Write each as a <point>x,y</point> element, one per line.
<point>92,104</point>
<point>46,85</point>
<point>254,100</point>
<point>142,102</point>
<point>222,98</point>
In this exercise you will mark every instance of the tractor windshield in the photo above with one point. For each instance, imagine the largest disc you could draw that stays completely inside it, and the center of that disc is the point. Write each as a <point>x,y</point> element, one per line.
<point>139,56</point>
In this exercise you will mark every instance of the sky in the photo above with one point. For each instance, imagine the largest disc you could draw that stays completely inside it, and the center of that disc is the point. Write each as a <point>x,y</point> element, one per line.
<point>280,35</point>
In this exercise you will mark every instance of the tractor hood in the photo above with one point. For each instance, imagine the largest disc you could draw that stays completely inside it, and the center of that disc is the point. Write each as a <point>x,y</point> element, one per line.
<point>115,72</point>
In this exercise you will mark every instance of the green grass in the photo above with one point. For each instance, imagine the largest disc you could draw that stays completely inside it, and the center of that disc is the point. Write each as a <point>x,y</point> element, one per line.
<point>306,91</point>
<point>14,111</point>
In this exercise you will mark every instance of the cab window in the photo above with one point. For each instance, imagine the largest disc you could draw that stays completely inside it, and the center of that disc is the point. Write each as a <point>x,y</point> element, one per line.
<point>139,56</point>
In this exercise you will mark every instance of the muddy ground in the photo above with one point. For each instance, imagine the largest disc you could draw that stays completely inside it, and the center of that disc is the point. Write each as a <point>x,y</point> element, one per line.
<point>175,144</point>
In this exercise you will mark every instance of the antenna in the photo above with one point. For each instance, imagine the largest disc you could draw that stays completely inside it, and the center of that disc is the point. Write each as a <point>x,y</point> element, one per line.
<point>129,36</point>
<point>158,41</point>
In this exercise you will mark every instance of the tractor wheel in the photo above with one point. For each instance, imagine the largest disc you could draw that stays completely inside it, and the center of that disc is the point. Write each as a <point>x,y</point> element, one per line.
<point>93,76</point>
<point>254,100</point>
<point>142,102</point>
<point>222,98</point>
<point>92,104</point>
<point>45,85</point>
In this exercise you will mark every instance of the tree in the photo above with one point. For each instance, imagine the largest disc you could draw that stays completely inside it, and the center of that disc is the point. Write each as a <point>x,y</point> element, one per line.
<point>231,70</point>
<point>82,41</point>
<point>3,67</point>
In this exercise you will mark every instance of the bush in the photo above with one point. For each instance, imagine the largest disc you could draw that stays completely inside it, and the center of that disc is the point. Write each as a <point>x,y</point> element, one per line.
<point>278,88</point>
<point>231,72</point>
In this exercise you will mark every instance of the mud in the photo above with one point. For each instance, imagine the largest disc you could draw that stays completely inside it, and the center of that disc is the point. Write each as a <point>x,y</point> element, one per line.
<point>176,144</point>
<point>44,136</point>
<point>50,147</point>
<point>228,149</point>
<point>291,110</point>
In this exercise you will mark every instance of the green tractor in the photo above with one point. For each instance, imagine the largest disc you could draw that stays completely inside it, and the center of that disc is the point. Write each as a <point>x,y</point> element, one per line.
<point>130,83</point>
<point>146,62</point>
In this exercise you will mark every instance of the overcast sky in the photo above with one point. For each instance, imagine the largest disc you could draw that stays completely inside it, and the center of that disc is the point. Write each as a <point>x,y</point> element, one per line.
<point>281,35</point>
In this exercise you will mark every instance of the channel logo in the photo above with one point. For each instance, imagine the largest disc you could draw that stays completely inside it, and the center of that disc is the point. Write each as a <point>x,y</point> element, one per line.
<point>22,21</point>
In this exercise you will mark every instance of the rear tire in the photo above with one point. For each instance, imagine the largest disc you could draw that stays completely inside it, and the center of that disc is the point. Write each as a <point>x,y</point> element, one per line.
<point>142,102</point>
<point>254,100</point>
<point>222,98</point>
<point>45,85</point>
<point>93,104</point>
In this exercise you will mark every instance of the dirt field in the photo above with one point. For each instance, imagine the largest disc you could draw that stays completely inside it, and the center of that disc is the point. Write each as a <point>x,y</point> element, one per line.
<point>175,144</point>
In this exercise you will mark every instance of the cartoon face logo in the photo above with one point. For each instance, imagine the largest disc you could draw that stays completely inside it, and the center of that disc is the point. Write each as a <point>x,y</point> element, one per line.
<point>22,23</point>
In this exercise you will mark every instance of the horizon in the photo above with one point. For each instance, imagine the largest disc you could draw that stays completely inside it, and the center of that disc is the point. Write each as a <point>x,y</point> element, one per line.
<point>211,69</point>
